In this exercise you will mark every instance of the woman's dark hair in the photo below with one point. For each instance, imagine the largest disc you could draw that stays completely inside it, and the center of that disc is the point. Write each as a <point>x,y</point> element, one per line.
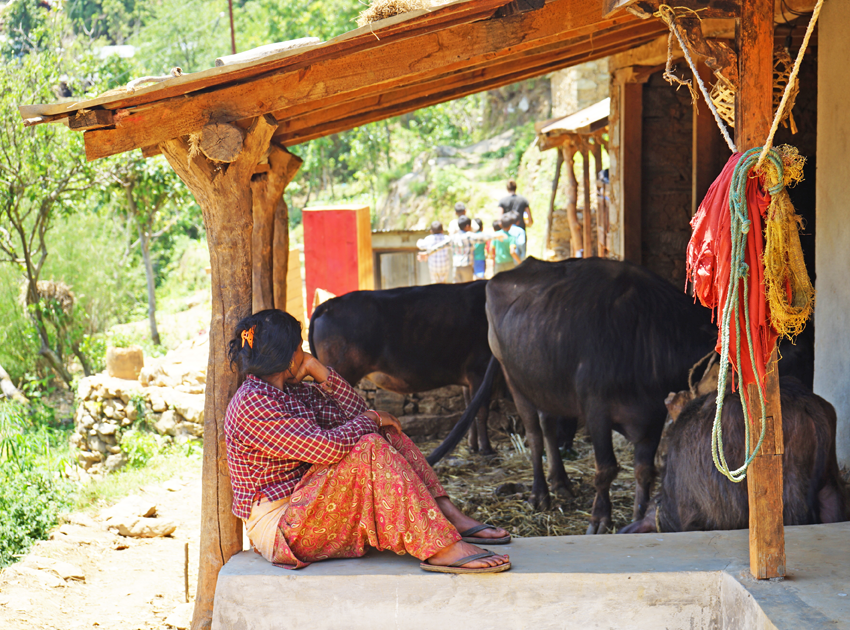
<point>277,335</point>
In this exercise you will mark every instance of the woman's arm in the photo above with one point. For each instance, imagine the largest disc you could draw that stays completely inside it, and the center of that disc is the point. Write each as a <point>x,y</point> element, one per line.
<point>277,434</point>
<point>330,397</point>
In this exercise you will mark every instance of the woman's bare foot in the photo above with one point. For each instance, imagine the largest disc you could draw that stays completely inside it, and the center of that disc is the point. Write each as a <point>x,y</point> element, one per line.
<point>460,550</point>
<point>463,522</point>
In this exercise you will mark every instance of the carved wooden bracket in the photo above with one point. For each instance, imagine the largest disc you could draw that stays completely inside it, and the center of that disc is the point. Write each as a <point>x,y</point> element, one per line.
<point>718,54</point>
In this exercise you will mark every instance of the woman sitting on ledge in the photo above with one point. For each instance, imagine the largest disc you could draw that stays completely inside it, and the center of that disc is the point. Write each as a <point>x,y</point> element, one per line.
<point>316,475</point>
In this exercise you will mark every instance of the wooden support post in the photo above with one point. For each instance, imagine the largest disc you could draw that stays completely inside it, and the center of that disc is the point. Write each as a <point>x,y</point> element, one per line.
<point>601,210</point>
<point>586,213</point>
<point>559,162</point>
<point>576,237</point>
<point>271,229</point>
<point>631,140</point>
<point>753,115</point>
<point>225,196</point>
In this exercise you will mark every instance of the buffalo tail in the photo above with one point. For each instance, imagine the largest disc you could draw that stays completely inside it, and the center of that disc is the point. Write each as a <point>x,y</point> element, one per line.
<point>462,426</point>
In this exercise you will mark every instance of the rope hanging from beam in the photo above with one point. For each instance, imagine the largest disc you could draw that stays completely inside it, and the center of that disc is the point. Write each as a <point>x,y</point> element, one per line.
<point>668,15</point>
<point>783,270</point>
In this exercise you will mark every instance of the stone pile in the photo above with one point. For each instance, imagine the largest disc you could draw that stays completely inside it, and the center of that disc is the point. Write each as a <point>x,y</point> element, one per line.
<point>168,397</point>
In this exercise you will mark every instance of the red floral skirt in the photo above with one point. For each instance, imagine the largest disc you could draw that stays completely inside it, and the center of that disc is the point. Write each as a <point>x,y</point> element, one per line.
<point>379,495</point>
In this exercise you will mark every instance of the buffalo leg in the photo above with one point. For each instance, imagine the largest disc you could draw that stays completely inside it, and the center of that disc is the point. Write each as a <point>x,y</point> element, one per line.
<point>645,470</point>
<point>598,423</point>
<point>479,427</point>
<point>533,432</point>
<point>567,428</point>
<point>557,477</point>
<point>473,430</point>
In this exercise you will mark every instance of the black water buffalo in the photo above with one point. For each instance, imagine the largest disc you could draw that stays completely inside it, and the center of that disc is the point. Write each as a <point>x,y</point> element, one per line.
<point>695,496</point>
<point>600,340</point>
<point>408,340</point>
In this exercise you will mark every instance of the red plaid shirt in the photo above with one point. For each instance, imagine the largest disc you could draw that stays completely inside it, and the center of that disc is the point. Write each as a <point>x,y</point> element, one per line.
<point>274,436</point>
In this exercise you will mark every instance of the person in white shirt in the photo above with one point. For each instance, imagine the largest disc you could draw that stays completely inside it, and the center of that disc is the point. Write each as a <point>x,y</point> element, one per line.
<point>460,211</point>
<point>440,263</point>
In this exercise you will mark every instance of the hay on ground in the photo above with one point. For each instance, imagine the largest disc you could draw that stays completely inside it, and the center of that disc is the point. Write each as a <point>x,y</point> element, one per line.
<point>496,489</point>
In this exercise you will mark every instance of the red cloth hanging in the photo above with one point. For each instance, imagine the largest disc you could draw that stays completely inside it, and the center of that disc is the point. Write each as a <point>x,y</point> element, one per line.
<point>709,257</point>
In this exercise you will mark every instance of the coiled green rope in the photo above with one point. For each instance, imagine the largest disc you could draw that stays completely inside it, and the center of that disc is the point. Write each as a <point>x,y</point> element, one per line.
<point>739,279</point>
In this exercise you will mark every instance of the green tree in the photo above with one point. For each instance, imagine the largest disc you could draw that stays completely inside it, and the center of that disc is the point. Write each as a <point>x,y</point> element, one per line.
<point>153,197</point>
<point>43,174</point>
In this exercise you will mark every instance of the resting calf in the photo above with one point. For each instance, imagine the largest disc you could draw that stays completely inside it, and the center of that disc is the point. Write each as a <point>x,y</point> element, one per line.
<point>695,496</point>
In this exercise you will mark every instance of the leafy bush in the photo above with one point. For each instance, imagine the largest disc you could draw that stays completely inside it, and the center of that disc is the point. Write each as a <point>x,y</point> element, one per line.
<point>30,503</point>
<point>139,446</point>
<point>31,492</point>
<point>449,185</point>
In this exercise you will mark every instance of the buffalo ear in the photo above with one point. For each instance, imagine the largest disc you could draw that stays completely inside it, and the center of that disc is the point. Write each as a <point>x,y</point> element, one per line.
<point>676,402</point>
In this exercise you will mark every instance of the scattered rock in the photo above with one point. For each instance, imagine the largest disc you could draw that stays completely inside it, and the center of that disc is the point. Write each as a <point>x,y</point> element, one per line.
<point>181,616</point>
<point>137,527</point>
<point>166,423</point>
<point>133,506</point>
<point>125,363</point>
<point>64,570</point>
<point>173,485</point>
<point>158,403</point>
<point>76,518</point>
<point>43,577</point>
<point>114,461</point>
<point>388,401</point>
<point>428,426</point>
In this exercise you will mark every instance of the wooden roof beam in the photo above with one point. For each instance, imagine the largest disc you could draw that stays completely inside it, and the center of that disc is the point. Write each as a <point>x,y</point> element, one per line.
<point>449,50</point>
<point>464,88</point>
<point>297,118</point>
<point>571,50</point>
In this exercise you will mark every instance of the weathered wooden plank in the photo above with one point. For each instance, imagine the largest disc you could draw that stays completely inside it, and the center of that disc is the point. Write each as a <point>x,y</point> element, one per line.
<point>419,57</point>
<point>148,152</point>
<point>360,39</point>
<point>90,119</point>
<point>528,63</point>
<point>470,86</point>
<point>753,115</point>
<point>631,139</point>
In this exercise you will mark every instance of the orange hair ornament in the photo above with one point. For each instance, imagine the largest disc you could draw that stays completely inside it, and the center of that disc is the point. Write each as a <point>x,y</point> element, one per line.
<point>248,337</point>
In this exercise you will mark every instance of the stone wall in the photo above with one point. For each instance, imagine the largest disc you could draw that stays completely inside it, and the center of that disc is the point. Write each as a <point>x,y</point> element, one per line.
<point>666,178</point>
<point>431,415</point>
<point>168,398</point>
<point>578,87</point>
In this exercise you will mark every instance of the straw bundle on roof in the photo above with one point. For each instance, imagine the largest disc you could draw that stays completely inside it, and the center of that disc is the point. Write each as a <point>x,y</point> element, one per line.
<point>382,9</point>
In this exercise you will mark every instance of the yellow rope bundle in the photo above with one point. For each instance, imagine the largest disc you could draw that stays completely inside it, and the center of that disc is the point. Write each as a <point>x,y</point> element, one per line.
<point>783,255</point>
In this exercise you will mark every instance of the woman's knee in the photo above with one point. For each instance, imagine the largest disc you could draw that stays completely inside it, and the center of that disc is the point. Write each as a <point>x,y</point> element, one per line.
<point>370,442</point>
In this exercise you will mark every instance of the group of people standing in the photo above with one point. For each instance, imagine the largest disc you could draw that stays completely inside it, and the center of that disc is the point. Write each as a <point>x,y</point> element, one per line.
<point>467,247</point>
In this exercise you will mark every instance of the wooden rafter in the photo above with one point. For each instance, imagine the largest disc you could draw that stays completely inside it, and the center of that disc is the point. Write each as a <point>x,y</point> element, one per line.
<point>471,85</point>
<point>369,73</point>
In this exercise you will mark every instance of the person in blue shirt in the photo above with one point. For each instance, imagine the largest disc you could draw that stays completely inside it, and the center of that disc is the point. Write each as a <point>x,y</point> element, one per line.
<point>517,234</point>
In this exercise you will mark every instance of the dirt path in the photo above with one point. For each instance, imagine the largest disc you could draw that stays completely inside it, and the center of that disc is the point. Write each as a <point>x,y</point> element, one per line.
<point>128,583</point>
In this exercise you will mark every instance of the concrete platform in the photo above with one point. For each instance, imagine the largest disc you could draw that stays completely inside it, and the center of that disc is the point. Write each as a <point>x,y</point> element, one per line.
<point>691,580</point>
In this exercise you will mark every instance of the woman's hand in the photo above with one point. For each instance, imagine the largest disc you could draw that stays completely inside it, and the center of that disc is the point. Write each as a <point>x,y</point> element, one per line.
<point>304,365</point>
<point>386,420</point>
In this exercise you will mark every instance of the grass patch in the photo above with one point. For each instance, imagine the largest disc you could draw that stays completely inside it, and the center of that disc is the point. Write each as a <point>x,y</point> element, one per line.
<point>115,486</point>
